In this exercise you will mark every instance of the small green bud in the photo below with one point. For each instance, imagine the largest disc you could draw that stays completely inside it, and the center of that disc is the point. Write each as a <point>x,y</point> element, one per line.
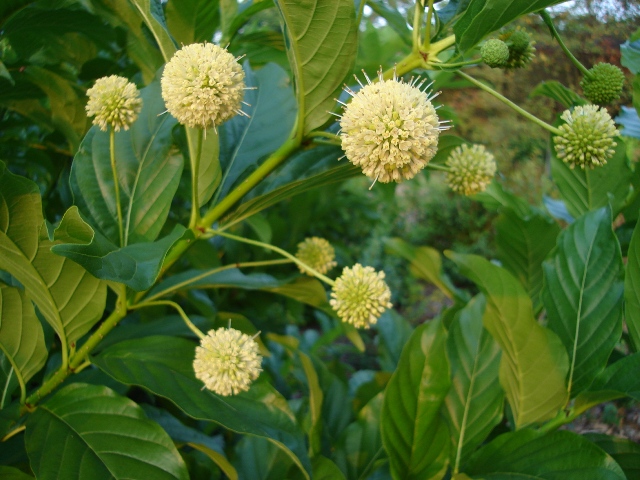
<point>604,85</point>
<point>519,41</point>
<point>495,53</point>
<point>521,50</point>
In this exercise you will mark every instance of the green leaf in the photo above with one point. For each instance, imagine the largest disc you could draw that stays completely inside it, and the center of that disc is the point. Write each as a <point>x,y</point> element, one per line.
<point>259,459</point>
<point>70,299</point>
<point>192,21</point>
<point>589,189</point>
<point>631,55</point>
<point>632,289</point>
<point>21,340</point>
<point>630,121</point>
<point>88,431</point>
<point>621,377</point>
<point>293,178</point>
<point>446,144</point>
<point>560,454</point>
<point>625,452</point>
<point>325,469</point>
<point>558,92</point>
<point>496,197</point>
<point>306,290</point>
<point>425,263</point>
<point>218,459</point>
<point>152,14</point>
<point>475,401</point>
<point>396,20</point>
<point>315,403</point>
<point>485,16</point>
<point>247,10</point>
<point>163,365</point>
<point>360,443</point>
<point>321,39</point>
<point>137,266</point>
<point>534,362</point>
<point>148,174</point>
<point>208,162</point>
<point>523,243</point>
<point>394,332</point>
<point>244,141</point>
<point>583,295</point>
<point>413,433</point>
<point>10,473</point>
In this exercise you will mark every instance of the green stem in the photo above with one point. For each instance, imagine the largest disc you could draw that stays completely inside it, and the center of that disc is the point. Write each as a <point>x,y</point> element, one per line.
<point>251,181</point>
<point>457,64</point>
<point>440,168</point>
<point>273,248</point>
<point>407,64</point>
<point>509,103</point>
<point>195,173</point>
<point>547,19</point>
<point>441,45</point>
<point>329,135</point>
<point>417,17</point>
<point>116,184</point>
<point>179,309</point>
<point>427,28</point>
<point>561,419</point>
<point>81,355</point>
<point>213,271</point>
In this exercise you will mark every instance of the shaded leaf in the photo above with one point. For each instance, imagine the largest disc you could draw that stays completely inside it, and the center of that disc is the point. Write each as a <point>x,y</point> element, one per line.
<point>88,431</point>
<point>321,39</point>
<point>10,473</point>
<point>192,21</point>
<point>630,51</point>
<point>219,459</point>
<point>620,377</point>
<point>632,289</point>
<point>152,14</point>
<point>534,362</point>
<point>625,452</point>
<point>558,92</point>
<point>413,434</point>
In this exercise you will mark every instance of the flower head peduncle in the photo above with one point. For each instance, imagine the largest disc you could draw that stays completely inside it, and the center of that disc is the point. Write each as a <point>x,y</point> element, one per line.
<point>317,253</point>
<point>390,128</point>
<point>471,169</point>
<point>360,295</point>
<point>203,85</point>
<point>113,101</point>
<point>227,361</point>
<point>587,137</point>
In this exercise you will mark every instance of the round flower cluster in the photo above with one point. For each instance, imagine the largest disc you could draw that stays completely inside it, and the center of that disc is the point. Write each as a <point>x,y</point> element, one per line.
<point>587,137</point>
<point>604,84</point>
<point>470,169</point>
<point>521,50</point>
<point>390,129</point>
<point>113,101</point>
<point>317,253</point>
<point>360,295</point>
<point>495,53</point>
<point>227,361</point>
<point>203,85</point>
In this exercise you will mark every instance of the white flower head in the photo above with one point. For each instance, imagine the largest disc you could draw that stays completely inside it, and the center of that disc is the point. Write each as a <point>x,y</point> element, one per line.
<point>227,361</point>
<point>113,101</point>
<point>317,253</point>
<point>360,295</point>
<point>203,85</point>
<point>390,128</point>
<point>471,170</point>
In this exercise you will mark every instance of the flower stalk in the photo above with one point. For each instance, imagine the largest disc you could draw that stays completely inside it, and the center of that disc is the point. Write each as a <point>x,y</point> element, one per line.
<point>116,184</point>
<point>554,32</point>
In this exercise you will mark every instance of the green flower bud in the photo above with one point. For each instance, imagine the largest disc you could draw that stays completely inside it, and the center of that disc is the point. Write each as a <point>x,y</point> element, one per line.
<point>471,169</point>
<point>587,137</point>
<point>604,85</point>
<point>317,253</point>
<point>521,50</point>
<point>495,53</point>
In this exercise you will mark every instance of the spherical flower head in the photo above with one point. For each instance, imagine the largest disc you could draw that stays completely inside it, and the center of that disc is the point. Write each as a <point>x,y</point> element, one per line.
<point>604,85</point>
<point>317,253</point>
<point>113,101</point>
<point>495,53</point>
<point>521,48</point>
<point>202,85</point>
<point>390,129</point>
<point>587,137</point>
<point>227,361</point>
<point>360,295</point>
<point>471,169</point>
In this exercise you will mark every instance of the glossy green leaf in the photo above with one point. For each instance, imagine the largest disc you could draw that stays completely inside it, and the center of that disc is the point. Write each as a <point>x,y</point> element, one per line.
<point>315,403</point>
<point>218,459</point>
<point>475,401</point>
<point>163,365</point>
<point>152,14</point>
<point>485,16</point>
<point>321,39</point>
<point>583,295</point>
<point>10,473</point>
<point>558,92</point>
<point>496,197</point>
<point>192,21</point>
<point>244,141</point>
<point>560,454</point>
<point>632,289</point>
<point>259,459</point>
<point>625,452</point>
<point>308,169</point>
<point>306,290</point>
<point>88,431</point>
<point>394,332</point>
<point>21,340</point>
<point>413,433</point>
<point>137,266</point>
<point>361,444</point>
<point>621,377</point>
<point>247,10</point>
<point>523,243</point>
<point>586,190</point>
<point>70,299</point>
<point>148,174</point>
<point>534,362</point>
<point>425,263</point>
